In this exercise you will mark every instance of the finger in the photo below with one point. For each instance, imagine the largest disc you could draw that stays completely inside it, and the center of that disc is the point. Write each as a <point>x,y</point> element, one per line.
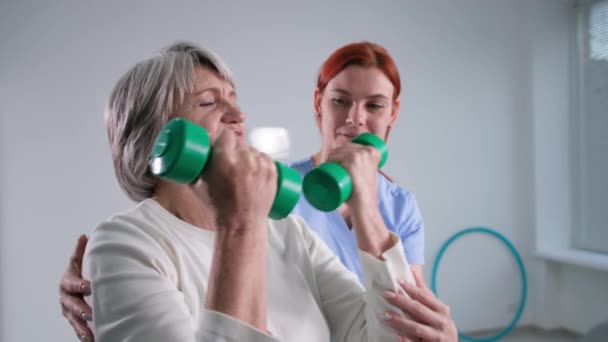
<point>418,277</point>
<point>267,161</point>
<point>252,149</point>
<point>416,309</point>
<point>81,246</point>
<point>409,328</point>
<point>74,285</point>
<point>403,336</point>
<point>342,152</point>
<point>373,152</point>
<point>76,306</point>
<point>75,264</point>
<point>363,153</point>
<point>226,140</point>
<point>425,296</point>
<point>82,331</point>
<point>71,281</point>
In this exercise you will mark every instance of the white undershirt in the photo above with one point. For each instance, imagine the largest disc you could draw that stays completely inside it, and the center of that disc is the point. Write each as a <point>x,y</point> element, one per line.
<point>149,273</point>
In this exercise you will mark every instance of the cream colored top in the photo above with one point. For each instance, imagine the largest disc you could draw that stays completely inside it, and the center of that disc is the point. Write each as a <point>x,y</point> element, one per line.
<point>149,273</point>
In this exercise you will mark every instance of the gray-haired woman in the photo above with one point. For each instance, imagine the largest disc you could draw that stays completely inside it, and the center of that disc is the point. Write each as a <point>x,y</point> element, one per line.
<point>202,262</point>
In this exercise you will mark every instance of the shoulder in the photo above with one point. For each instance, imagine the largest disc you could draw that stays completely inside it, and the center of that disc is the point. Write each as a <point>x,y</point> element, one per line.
<point>394,192</point>
<point>136,230</point>
<point>399,207</point>
<point>302,165</point>
<point>138,218</point>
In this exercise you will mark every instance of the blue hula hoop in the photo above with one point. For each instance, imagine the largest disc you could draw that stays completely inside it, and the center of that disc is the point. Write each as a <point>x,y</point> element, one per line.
<point>522,271</point>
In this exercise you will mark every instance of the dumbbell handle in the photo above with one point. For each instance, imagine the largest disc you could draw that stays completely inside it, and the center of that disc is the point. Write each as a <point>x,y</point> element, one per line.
<point>182,149</point>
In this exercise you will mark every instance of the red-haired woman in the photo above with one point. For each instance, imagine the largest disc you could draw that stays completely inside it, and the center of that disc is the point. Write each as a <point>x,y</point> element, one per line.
<point>357,91</point>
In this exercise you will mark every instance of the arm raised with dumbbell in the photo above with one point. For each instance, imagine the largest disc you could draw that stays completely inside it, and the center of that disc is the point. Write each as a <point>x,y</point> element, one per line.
<point>241,183</point>
<point>182,151</point>
<point>361,163</point>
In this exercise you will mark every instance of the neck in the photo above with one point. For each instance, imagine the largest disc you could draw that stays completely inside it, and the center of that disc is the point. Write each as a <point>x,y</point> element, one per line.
<point>321,156</point>
<point>186,203</point>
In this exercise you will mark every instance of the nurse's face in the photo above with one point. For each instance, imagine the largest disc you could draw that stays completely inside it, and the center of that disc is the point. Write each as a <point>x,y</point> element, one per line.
<point>355,101</point>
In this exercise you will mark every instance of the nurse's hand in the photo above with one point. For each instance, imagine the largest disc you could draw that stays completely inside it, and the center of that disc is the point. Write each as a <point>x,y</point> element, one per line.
<point>361,162</point>
<point>72,290</point>
<point>432,320</point>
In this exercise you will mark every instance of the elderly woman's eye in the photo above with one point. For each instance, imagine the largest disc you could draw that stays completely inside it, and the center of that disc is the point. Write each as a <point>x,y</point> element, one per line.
<point>207,104</point>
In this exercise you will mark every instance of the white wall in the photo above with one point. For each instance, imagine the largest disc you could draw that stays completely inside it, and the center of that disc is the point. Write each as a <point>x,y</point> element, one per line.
<point>464,143</point>
<point>571,286</point>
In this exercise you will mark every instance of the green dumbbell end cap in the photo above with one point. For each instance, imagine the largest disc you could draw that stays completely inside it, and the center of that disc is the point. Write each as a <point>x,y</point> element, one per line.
<point>180,151</point>
<point>161,144</point>
<point>289,188</point>
<point>327,186</point>
<point>370,139</point>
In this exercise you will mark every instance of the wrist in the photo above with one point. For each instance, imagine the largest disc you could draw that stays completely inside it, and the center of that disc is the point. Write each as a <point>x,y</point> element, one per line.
<point>365,211</point>
<point>240,227</point>
<point>372,235</point>
<point>363,206</point>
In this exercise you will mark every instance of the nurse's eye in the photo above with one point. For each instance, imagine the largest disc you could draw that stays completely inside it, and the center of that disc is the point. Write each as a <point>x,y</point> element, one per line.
<point>339,101</point>
<point>375,106</point>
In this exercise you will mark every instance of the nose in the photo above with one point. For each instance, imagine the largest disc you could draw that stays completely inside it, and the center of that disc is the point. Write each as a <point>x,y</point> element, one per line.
<point>356,116</point>
<point>233,114</point>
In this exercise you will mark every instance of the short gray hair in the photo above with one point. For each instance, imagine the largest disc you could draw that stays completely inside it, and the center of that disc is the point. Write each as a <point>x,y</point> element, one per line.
<point>141,104</point>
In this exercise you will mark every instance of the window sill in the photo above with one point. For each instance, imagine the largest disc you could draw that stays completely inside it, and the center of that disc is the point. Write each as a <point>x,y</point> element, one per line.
<point>577,257</point>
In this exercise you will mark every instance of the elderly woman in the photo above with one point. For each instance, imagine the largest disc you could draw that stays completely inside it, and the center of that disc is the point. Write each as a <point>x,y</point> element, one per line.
<point>202,262</point>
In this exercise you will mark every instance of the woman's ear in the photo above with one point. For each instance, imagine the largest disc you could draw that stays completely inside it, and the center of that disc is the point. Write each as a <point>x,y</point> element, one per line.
<point>395,112</point>
<point>393,118</point>
<point>317,104</point>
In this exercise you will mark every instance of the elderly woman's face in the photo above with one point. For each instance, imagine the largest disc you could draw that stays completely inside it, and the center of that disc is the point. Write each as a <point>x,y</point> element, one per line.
<point>212,105</point>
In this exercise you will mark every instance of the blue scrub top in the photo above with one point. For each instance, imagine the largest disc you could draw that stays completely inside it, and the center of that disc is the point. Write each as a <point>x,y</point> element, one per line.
<point>398,208</point>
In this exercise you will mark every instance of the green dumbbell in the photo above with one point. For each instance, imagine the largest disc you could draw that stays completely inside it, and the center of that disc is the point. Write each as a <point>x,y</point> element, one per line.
<point>329,185</point>
<point>181,151</point>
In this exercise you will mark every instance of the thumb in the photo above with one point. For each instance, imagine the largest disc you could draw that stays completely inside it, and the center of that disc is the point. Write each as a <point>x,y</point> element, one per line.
<point>76,258</point>
<point>81,245</point>
<point>225,140</point>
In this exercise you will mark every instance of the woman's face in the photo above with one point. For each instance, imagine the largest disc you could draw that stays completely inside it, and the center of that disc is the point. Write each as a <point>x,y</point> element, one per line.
<point>212,105</point>
<point>356,101</point>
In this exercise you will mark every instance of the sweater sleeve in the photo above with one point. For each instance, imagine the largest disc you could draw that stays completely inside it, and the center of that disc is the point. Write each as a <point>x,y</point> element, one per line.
<point>353,310</point>
<point>135,296</point>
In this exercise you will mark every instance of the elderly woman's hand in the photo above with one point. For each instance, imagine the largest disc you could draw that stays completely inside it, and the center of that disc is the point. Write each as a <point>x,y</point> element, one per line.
<point>72,290</point>
<point>432,318</point>
<point>241,180</point>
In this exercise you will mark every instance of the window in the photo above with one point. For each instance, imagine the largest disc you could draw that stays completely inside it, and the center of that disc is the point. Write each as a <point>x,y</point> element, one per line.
<point>590,128</point>
<point>598,31</point>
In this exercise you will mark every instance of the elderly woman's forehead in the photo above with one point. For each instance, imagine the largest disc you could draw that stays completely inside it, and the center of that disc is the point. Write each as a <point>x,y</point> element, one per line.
<point>205,77</point>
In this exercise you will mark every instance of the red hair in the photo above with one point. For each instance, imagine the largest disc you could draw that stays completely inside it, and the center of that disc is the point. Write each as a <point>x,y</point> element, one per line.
<point>364,54</point>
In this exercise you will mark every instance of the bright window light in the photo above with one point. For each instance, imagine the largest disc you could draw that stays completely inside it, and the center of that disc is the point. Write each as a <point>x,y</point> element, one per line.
<point>598,31</point>
<point>271,140</point>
